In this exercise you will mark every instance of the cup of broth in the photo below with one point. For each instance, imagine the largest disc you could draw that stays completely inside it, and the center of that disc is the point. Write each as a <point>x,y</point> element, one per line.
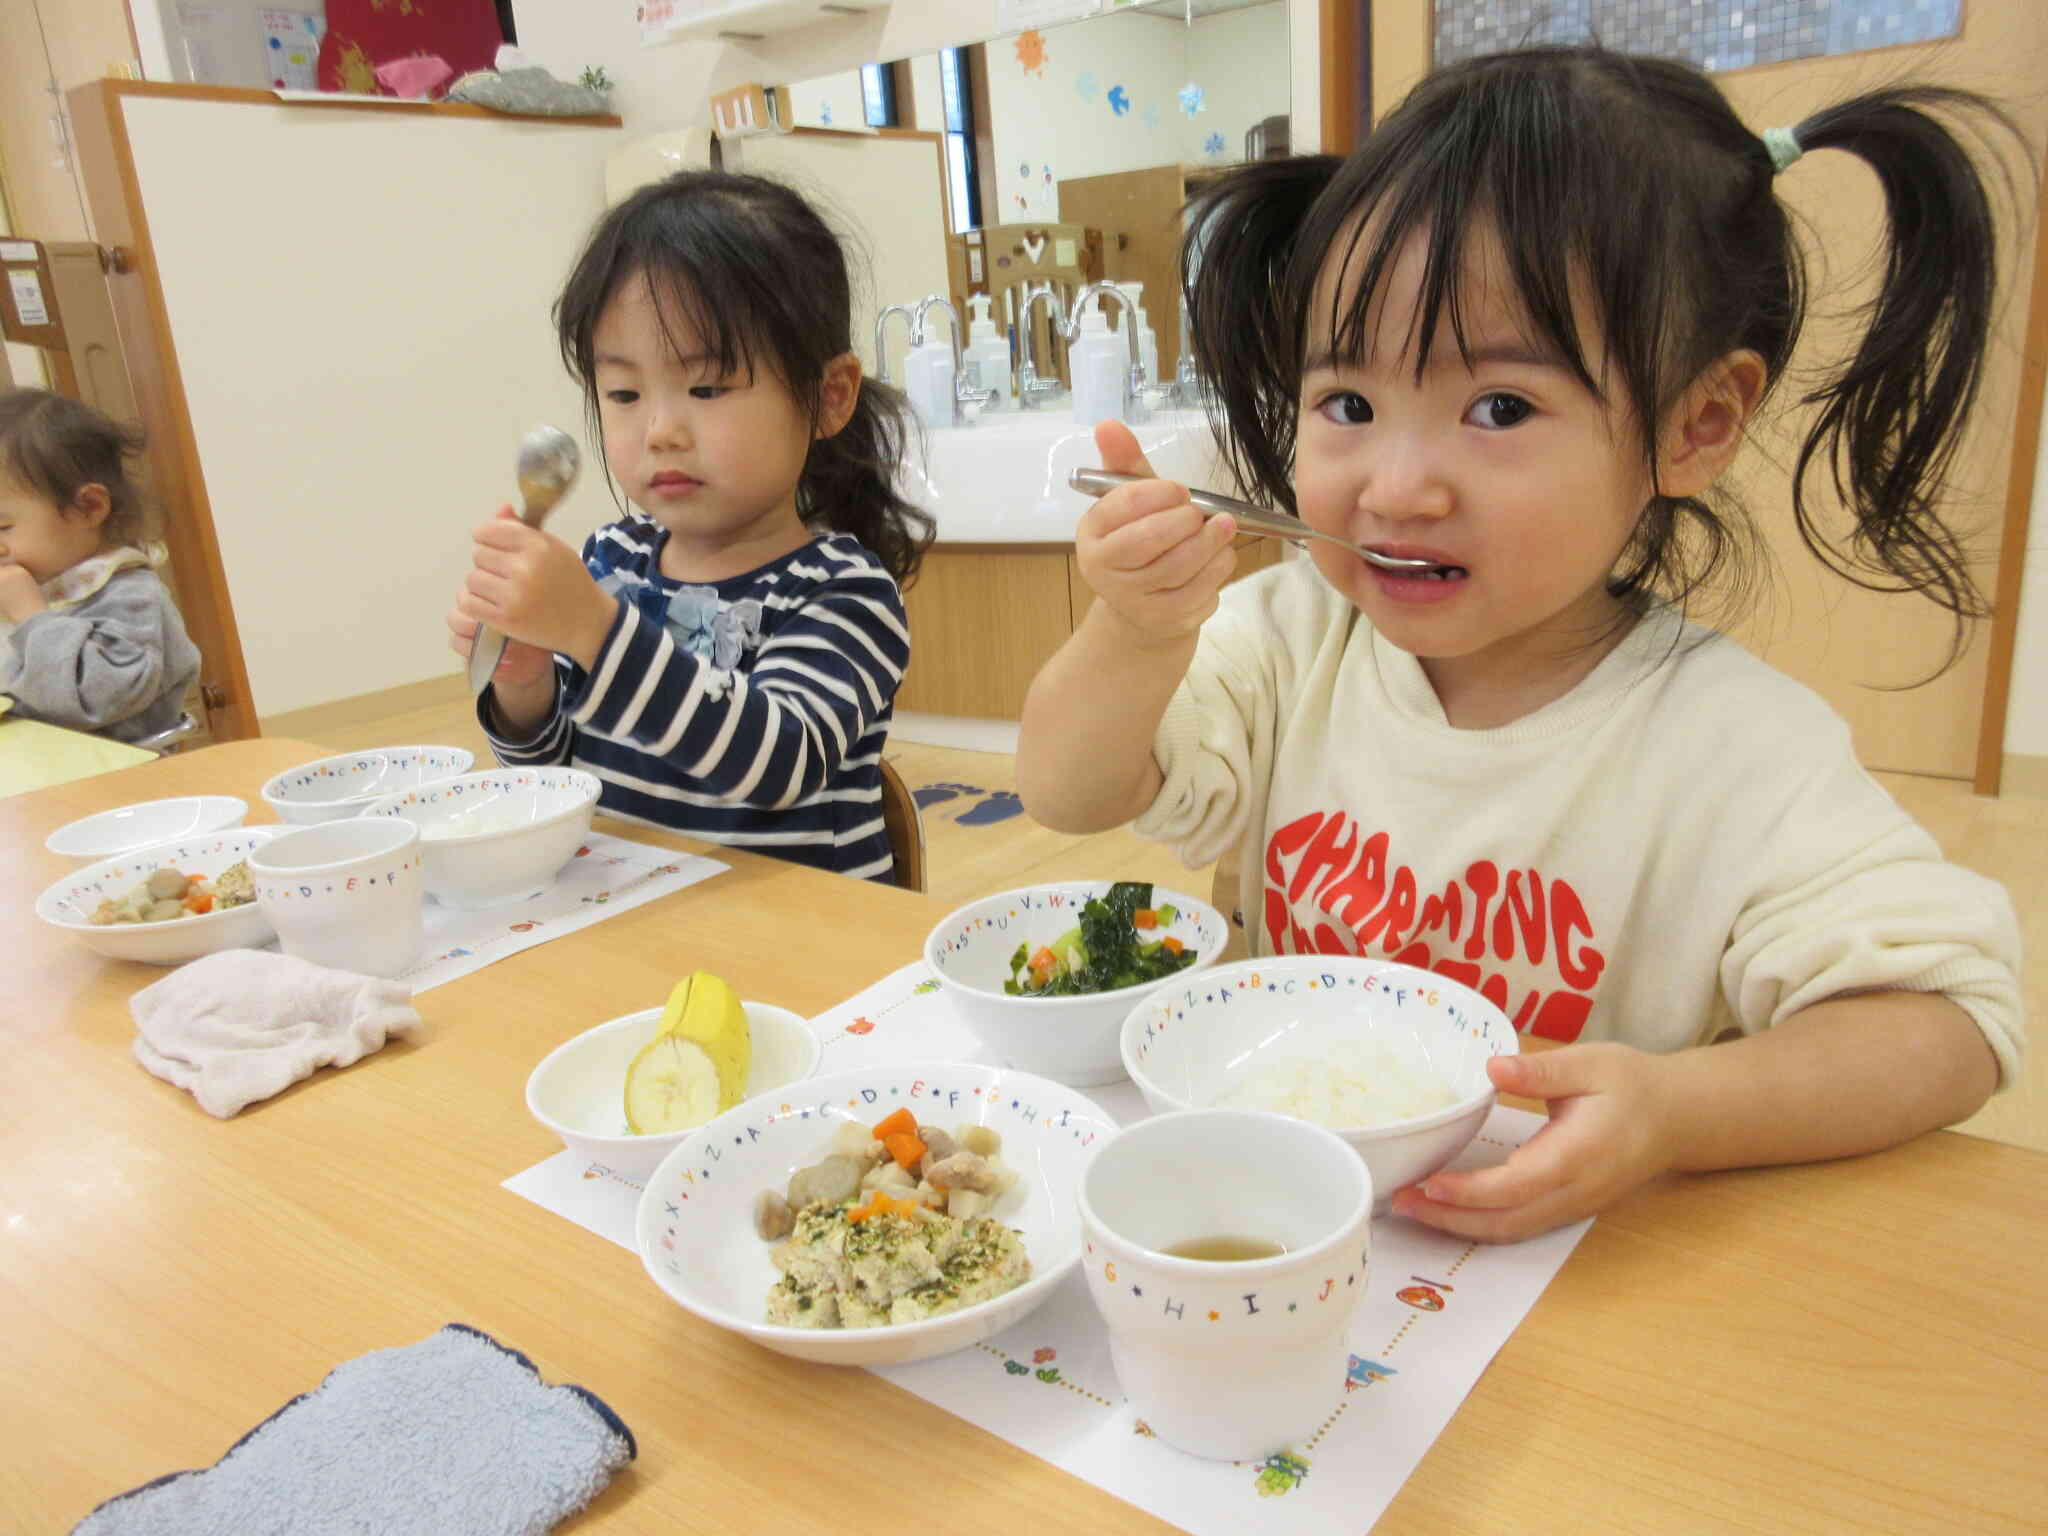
<point>1227,1249</point>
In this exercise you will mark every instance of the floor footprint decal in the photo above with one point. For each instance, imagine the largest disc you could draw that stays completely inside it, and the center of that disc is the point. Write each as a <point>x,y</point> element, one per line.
<point>999,805</point>
<point>937,794</point>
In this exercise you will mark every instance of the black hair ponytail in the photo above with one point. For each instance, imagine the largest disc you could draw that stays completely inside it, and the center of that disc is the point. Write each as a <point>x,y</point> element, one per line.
<point>1242,326</point>
<point>1891,418</point>
<point>849,483</point>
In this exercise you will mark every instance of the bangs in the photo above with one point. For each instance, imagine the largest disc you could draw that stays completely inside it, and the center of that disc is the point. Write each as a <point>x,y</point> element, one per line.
<point>1471,193</point>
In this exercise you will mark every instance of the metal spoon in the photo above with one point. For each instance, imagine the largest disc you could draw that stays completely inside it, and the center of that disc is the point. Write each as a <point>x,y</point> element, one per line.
<point>1252,519</point>
<point>548,462</point>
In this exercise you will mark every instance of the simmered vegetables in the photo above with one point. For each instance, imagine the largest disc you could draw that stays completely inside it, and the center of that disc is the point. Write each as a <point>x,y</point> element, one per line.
<point>171,893</point>
<point>1107,949</point>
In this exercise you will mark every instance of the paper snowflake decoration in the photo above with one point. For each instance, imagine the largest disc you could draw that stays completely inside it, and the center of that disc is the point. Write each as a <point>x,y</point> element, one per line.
<point>1119,100</point>
<point>1213,145</point>
<point>1193,99</point>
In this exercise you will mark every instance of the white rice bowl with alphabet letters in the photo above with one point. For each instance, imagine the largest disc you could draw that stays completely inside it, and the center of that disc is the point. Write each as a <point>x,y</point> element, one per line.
<point>1390,1057</point>
<point>696,1230</point>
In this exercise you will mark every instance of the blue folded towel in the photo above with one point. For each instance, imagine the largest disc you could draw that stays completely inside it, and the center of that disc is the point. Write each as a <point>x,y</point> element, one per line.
<point>451,1436</point>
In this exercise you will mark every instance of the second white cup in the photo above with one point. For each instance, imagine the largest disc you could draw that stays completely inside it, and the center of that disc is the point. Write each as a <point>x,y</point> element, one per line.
<point>345,894</point>
<point>1228,1357</point>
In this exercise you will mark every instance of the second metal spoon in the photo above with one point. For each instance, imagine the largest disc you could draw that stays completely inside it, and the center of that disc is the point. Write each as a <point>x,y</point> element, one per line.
<point>1250,518</point>
<point>547,467</point>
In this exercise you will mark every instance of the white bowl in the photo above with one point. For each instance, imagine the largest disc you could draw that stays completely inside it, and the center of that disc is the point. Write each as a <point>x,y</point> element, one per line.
<point>345,894</point>
<point>696,1220</point>
<point>330,788</point>
<point>71,902</point>
<point>579,1089</point>
<point>144,825</point>
<point>1186,1046</point>
<point>1071,1040</point>
<point>498,835</point>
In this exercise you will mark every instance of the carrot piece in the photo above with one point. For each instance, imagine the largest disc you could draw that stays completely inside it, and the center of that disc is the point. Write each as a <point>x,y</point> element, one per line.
<point>880,1204</point>
<point>197,905</point>
<point>905,1147</point>
<point>1144,917</point>
<point>1173,945</point>
<point>898,1123</point>
<point>1044,960</point>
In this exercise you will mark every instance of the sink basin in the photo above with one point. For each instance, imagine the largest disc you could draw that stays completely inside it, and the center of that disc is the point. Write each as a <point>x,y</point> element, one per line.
<point>1003,479</point>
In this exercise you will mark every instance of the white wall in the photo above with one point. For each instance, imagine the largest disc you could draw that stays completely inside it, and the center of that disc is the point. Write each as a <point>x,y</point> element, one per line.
<point>1057,121</point>
<point>359,361</point>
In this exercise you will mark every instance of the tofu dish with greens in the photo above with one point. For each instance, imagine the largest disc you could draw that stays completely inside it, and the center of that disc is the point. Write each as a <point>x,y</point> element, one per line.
<point>1108,948</point>
<point>892,1227</point>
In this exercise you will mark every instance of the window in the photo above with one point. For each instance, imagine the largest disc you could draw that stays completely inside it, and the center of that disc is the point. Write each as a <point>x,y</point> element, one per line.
<point>878,95</point>
<point>956,95</point>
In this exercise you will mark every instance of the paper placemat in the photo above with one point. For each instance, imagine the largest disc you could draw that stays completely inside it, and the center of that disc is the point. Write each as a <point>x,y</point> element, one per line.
<point>607,875</point>
<point>1436,1311</point>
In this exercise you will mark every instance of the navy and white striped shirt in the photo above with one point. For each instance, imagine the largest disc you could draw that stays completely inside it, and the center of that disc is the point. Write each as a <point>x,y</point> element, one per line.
<point>750,712</point>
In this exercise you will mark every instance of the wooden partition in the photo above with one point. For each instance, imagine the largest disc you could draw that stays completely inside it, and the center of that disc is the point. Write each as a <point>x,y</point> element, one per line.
<point>335,317</point>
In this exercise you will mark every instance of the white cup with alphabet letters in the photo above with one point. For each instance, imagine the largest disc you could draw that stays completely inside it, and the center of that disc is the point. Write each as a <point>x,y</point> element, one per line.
<point>345,894</point>
<point>1226,1250</point>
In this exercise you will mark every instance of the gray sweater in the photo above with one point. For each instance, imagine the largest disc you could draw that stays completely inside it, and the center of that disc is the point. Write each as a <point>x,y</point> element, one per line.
<point>117,664</point>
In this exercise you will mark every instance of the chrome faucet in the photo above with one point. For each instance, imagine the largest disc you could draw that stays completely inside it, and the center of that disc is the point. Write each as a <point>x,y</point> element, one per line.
<point>882,324</point>
<point>1139,396</point>
<point>1029,385</point>
<point>967,389</point>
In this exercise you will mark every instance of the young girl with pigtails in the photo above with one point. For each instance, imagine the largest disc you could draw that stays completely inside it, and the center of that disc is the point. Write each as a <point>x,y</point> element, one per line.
<point>724,658</point>
<point>1520,334</point>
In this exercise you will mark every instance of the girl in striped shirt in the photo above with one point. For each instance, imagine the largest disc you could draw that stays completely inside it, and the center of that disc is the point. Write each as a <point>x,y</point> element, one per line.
<point>725,657</point>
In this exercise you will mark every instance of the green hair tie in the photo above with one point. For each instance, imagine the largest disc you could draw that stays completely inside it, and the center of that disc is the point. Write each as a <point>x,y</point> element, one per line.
<point>1784,147</point>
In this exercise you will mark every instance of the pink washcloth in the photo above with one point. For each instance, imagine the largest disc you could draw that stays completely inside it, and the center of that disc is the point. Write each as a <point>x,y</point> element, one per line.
<point>414,78</point>
<point>241,1024</point>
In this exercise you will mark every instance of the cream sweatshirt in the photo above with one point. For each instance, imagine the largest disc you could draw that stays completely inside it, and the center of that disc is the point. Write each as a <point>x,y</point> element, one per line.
<point>1682,845</point>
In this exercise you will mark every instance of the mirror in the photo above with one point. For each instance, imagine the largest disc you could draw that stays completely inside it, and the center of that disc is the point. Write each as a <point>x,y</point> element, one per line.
<point>1073,151</point>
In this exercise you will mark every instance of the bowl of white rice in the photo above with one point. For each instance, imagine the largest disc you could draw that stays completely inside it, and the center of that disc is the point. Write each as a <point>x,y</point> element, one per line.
<point>1390,1057</point>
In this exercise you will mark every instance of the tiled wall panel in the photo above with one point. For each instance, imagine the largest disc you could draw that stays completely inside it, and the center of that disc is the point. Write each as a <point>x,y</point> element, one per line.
<point>1714,34</point>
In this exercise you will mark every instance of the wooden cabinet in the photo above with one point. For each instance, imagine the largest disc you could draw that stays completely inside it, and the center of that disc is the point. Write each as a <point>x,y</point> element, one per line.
<point>985,617</point>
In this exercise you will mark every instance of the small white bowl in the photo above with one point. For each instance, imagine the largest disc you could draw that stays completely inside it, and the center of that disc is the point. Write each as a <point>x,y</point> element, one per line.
<point>579,1089</point>
<point>331,788</point>
<point>696,1220</point>
<point>1186,1046</point>
<point>495,836</point>
<point>71,902</point>
<point>116,832</point>
<point>1071,1040</point>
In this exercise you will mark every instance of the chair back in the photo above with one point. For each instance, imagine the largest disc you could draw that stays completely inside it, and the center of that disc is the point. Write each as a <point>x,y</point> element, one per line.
<point>905,829</point>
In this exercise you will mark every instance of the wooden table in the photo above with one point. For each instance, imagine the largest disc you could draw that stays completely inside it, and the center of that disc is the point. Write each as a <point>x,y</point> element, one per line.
<point>1857,1346</point>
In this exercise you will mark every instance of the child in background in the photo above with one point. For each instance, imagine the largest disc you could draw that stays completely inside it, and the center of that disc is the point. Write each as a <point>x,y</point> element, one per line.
<point>724,658</point>
<point>89,637</point>
<point>1519,334</point>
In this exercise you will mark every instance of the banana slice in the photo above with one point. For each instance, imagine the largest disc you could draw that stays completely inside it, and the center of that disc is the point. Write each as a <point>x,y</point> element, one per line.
<point>705,1010</point>
<point>671,1085</point>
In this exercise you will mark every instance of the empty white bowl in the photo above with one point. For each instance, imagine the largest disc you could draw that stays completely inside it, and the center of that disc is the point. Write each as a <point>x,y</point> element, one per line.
<point>696,1219</point>
<point>330,788</point>
<point>71,902</point>
<point>145,825</point>
<point>1194,1045</point>
<point>495,836</point>
<point>579,1089</point>
<point>1071,1040</point>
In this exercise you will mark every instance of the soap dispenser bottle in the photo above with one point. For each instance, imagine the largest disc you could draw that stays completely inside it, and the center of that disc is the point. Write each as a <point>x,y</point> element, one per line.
<point>1148,341</point>
<point>928,381</point>
<point>1098,359</point>
<point>988,351</point>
